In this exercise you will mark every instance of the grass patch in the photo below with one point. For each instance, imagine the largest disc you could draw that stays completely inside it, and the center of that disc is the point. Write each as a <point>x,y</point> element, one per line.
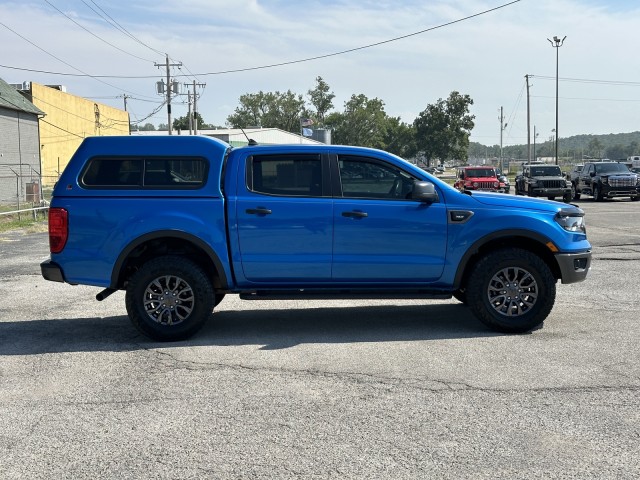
<point>25,222</point>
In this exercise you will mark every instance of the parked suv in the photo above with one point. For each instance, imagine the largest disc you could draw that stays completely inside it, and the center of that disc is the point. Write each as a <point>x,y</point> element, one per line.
<point>543,181</point>
<point>607,180</point>
<point>478,178</point>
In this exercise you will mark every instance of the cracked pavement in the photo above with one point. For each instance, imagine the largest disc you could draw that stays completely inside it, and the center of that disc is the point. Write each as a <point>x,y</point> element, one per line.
<point>326,389</point>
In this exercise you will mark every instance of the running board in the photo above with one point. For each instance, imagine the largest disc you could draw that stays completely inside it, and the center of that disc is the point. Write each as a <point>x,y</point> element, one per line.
<point>322,294</point>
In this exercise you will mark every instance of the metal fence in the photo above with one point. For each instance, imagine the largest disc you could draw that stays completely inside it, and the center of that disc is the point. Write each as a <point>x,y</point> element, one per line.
<point>23,187</point>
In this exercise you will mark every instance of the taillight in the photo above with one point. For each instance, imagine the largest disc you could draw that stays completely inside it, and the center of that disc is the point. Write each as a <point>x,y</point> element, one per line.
<point>58,229</point>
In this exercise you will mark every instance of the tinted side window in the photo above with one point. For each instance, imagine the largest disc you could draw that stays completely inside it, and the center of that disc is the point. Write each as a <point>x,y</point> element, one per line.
<point>290,175</point>
<point>175,172</point>
<point>368,178</point>
<point>113,172</point>
<point>145,172</point>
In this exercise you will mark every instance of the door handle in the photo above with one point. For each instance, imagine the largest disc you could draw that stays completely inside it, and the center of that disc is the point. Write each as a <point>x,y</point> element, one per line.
<point>355,214</point>
<point>258,211</point>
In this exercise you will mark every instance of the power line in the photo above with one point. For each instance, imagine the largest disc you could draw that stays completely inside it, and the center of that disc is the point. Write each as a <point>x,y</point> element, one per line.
<point>292,62</point>
<point>84,74</point>
<point>586,80</point>
<point>115,24</point>
<point>93,34</point>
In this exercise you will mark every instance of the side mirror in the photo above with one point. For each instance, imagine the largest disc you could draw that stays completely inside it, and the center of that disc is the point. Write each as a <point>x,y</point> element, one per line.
<point>592,174</point>
<point>424,192</point>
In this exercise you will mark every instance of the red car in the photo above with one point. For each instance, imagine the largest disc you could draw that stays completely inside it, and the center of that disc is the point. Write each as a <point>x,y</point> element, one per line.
<point>478,178</point>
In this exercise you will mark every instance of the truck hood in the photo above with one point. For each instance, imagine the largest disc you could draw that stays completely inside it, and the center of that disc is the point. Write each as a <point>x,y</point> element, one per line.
<point>514,201</point>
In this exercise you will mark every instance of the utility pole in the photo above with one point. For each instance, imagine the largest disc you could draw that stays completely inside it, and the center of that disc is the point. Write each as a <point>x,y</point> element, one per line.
<point>528,122</point>
<point>169,87</point>
<point>502,127</point>
<point>193,118</point>
<point>125,96</point>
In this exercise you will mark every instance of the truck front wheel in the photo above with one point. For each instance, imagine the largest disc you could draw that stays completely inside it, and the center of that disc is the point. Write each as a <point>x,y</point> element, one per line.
<point>511,290</point>
<point>169,298</point>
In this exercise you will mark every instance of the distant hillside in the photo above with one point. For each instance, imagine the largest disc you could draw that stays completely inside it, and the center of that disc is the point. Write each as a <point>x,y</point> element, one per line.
<point>614,145</point>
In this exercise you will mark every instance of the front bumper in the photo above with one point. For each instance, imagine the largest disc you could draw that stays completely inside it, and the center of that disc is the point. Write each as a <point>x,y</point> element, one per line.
<point>574,266</point>
<point>611,192</point>
<point>551,192</point>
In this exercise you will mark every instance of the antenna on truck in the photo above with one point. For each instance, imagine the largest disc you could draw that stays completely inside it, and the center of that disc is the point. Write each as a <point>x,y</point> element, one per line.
<point>250,141</point>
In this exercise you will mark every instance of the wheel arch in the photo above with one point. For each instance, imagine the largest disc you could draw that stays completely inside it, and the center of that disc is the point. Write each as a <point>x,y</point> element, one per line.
<point>525,239</point>
<point>168,242</point>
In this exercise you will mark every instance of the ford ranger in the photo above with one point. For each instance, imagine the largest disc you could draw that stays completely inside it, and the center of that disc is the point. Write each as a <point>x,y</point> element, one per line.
<point>178,222</point>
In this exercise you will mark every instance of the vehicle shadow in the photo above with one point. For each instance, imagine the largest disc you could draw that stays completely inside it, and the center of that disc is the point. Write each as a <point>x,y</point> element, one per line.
<point>267,329</point>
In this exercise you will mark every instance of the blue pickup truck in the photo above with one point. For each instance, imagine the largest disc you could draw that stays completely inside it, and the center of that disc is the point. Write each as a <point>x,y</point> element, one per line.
<point>178,222</point>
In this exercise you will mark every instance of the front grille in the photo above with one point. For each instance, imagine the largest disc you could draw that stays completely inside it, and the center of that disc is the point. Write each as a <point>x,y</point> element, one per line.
<point>622,181</point>
<point>486,185</point>
<point>553,183</point>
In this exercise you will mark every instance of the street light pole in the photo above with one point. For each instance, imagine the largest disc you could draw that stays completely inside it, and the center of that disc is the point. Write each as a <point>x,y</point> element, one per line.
<point>557,43</point>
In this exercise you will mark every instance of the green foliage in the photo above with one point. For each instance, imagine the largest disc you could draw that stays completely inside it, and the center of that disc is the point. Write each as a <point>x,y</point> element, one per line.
<point>363,122</point>
<point>147,127</point>
<point>271,109</point>
<point>442,129</point>
<point>321,99</point>
<point>182,123</point>
<point>400,138</point>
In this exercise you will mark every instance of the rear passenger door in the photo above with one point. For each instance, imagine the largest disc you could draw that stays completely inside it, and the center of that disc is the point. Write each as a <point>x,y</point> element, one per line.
<point>285,219</point>
<point>380,234</point>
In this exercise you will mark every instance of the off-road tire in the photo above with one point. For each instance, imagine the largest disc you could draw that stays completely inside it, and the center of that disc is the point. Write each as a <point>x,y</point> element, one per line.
<point>597,193</point>
<point>169,298</point>
<point>566,198</point>
<point>511,290</point>
<point>574,192</point>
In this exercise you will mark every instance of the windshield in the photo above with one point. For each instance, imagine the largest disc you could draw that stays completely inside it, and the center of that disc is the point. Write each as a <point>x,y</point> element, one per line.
<point>612,168</point>
<point>480,172</point>
<point>546,171</point>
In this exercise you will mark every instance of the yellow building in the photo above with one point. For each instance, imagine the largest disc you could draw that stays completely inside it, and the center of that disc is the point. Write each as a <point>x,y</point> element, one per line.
<point>68,120</point>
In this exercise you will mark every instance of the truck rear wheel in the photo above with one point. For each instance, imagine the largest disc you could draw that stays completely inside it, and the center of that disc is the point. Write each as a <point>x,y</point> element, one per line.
<point>511,290</point>
<point>169,298</point>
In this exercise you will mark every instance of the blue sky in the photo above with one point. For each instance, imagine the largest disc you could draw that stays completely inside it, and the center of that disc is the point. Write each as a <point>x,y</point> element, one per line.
<point>486,57</point>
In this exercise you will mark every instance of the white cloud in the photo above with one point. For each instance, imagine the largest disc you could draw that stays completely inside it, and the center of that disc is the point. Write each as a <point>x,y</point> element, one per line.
<point>486,57</point>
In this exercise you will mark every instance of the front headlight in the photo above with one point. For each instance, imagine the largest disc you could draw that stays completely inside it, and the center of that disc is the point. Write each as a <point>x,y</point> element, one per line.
<point>571,220</point>
<point>605,180</point>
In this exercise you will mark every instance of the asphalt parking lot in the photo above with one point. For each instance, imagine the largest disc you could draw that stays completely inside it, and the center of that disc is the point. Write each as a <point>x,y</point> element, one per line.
<point>340,389</point>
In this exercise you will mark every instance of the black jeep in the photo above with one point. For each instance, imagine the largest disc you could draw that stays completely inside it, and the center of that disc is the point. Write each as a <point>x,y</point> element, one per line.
<point>543,181</point>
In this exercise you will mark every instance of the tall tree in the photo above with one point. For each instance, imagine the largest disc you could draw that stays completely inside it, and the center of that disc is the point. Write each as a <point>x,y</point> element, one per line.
<point>321,99</point>
<point>399,138</point>
<point>443,129</point>
<point>363,122</point>
<point>182,123</point>
<point>270,109</point>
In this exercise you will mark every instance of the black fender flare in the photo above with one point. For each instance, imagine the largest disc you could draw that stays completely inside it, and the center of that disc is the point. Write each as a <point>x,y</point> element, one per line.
<point>117,268</point>
<point>492,237</point>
